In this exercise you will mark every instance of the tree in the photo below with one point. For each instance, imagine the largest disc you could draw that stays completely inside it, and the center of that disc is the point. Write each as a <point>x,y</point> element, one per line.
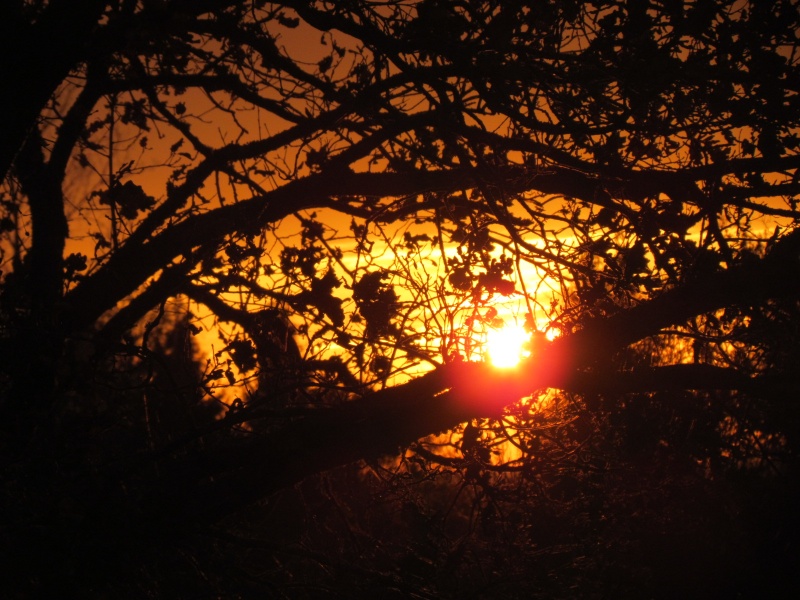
<point>347,195</point>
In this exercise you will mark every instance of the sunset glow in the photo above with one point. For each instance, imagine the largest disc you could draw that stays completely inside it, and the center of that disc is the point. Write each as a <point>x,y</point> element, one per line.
<point>505,347</point>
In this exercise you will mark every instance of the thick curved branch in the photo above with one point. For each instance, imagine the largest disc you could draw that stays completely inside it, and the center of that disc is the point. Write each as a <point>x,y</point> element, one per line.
<point>454,393</point>
<point>699,377</point>
<point>134,263</point>
<point>776,275</point>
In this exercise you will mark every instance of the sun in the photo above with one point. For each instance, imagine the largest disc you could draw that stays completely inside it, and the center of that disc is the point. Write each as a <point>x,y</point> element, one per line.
<point>506,346</point>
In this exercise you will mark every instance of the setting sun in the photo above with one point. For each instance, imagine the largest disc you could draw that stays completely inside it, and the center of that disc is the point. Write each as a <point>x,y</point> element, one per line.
<point>505,347</point>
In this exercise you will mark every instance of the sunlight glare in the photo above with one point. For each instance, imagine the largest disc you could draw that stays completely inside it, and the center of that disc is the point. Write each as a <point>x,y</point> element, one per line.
<point>552,333</point>
<point>506,346</point>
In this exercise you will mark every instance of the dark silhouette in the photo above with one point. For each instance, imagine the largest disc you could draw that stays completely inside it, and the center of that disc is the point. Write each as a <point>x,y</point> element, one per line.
<point>250,252</point>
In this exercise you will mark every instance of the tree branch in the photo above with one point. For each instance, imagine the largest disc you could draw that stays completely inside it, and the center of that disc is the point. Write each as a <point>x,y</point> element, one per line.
<point>134,263</point>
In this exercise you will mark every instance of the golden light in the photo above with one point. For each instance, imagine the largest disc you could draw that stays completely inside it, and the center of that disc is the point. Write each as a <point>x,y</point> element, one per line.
<point>552,333</point>
<point>506,346</point>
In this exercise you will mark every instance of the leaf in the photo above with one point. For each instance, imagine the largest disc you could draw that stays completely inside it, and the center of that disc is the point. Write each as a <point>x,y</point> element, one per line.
<point>376,302</point>
<point>381,365</point>
<point>316,158</point>
<point>129,199</point>
<point>461,277</point>
<point>288,22</point>
<point>325,64</point>
<point>304,259</point>
<point>312,230</point>
<point>74,263</point>
<point>243,354</point>
<point>134,113</point>
<point>495,283</point>
<point>321,297</point>
<point>100,241</point>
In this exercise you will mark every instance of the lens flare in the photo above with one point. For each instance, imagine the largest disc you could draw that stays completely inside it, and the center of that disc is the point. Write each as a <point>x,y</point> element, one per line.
<point>505,347</point>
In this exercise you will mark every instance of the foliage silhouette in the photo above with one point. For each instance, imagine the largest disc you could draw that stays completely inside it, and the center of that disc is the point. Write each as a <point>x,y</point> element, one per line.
<point>251,250</point>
